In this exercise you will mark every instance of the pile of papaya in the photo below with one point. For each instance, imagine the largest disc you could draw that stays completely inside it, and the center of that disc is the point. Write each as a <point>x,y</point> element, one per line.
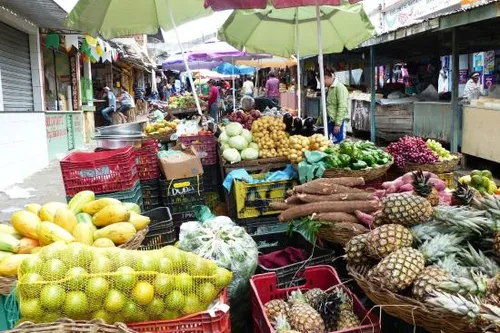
<point>105,222</point>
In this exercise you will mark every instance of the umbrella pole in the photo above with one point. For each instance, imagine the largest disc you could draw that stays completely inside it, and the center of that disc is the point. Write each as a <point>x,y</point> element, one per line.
<point>321,71</point>
<point>234,86</point>
<point>299,93</point>
<point>184,59</point>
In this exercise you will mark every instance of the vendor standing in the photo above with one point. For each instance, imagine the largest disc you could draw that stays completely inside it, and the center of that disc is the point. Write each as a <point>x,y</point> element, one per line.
<point>336,107</point>
<point>473,89</point>
<point>212,100</point>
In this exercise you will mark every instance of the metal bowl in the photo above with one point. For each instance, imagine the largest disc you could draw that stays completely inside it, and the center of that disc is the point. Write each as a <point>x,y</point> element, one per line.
<point>122,129</point>
<point>118,141</point>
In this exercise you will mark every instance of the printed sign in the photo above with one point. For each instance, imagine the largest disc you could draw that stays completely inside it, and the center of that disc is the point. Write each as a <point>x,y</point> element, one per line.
<point>489,80</point>
<point>55,126</point>
<point>75,81</point>
<point>489,62</point>
<point>478,61</point>
<point>463,76</point>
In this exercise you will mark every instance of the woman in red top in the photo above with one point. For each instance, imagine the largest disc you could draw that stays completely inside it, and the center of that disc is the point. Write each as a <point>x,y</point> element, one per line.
<point>212,100</point>
<point>273,88</point>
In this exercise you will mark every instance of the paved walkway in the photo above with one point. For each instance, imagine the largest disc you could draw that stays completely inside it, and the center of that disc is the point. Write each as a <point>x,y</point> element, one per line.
<point>41,187</point>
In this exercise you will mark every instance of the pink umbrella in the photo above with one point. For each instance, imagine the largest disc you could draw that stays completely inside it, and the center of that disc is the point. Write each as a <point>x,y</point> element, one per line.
<point>218,5</point>
<point>214,49</point>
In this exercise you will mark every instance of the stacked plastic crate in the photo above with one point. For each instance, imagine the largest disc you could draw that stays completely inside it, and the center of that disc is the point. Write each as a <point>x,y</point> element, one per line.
<point>181,196</point>
<point>108,173</point>
<point>149,174</point>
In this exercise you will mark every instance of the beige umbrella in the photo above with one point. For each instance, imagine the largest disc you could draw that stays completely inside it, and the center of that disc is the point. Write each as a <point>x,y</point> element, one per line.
<point>274,62</point>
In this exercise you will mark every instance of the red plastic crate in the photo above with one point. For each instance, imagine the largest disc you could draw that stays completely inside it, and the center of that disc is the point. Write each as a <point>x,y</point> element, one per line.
<point>205,145</point>
<point>101,172</point>
<point>147,160</point>
<point>217,321</point>
<point>264,288</point>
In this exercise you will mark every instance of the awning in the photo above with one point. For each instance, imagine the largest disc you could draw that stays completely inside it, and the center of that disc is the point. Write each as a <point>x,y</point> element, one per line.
<point>133,53</point>
<point>42,13</point>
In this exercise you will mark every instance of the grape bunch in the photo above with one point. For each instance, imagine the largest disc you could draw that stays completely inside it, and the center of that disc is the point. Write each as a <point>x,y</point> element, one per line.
<point>443,153</point>
<point>411,149</point>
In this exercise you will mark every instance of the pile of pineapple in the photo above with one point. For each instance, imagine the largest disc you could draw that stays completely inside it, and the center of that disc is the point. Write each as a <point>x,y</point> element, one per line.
<point>315,311</point>
<point>444,255</point>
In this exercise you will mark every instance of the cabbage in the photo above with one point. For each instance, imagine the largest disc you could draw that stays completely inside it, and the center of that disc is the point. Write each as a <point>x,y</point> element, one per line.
<point>249,154</point>
<point>224,146</point>
<point>253,145</point>
<point>231,155</point>
<point>234,129</point>
<point>238,142</point>
<point>223,137</point>
<point>247,135</point>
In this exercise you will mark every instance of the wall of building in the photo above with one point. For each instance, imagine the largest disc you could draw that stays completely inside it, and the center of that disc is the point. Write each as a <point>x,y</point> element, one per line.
<point>23,143</point>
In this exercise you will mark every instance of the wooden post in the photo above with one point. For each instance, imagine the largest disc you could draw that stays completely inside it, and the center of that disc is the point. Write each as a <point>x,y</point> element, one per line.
<point>454,92</point>
<point>373,93</point>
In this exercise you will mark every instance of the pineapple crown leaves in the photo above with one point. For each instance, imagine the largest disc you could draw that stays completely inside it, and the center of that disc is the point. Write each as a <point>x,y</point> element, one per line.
<point>426,231</point>
<point>458,304</point>
<point>344,297</point>
<point>441,246</point>
<point>281,323</point>
<point>477,259</point>
<point>451,265</point>
<point>461,218</point>
<point>491,313</point>
<point>476,285</point>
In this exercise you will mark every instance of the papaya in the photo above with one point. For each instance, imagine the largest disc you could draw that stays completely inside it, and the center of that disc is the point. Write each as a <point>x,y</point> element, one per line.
<point>79,200</point>
<point>84,218</point>
<point>49,233</point>
<point>8,229</point>
<point>10,264</point>
<point>103,242</point>
<point>26,223</point>
<point>132,207</point>
<point>111,214</point>
<point>33,207</point>
<point>48,211</point>
<point>9,243</point>
<point>26,245</point>
<point>97,205</point>
<point>4,254</point>
<point>119,233</point>
<point>84,233</point>
<point>65,218</point>
<point>139,221</point>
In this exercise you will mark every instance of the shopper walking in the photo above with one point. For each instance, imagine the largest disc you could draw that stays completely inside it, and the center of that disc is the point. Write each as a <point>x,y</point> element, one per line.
<point>248,87</point>
<point>336,106</point>
<point>106,113</point>
<point>273,88</point>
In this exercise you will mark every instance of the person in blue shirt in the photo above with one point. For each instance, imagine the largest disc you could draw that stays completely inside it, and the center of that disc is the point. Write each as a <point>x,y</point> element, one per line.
<point>125,101</point>
<point>106,113</point>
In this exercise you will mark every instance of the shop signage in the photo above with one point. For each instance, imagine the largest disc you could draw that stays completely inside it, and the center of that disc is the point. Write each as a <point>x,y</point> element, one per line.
<point>489,62</point>
<point>479,61</point>
<point>75,81</point>
<point>55,126</point>
<point>463,76</point>
<point>488,81</point>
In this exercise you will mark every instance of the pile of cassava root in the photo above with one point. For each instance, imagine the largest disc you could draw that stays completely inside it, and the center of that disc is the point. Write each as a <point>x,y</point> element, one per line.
<point>336,202</point>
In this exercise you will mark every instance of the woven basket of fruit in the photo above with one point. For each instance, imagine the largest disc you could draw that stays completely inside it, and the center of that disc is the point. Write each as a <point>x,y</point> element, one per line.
<point>69,326</point>
<point>443,166</point>
<point>136,241</point>
<point>432,318</point>
<point>367,174</point>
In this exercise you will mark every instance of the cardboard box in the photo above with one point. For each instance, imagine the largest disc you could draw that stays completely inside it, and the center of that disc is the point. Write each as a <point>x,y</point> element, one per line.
<point>181,164</point>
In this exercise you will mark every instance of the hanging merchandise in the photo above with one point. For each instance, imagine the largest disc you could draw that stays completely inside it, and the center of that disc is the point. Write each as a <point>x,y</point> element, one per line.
<point>52,41</point>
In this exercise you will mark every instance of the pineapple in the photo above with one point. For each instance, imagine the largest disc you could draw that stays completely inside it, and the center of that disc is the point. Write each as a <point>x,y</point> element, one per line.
<point>477,259</point>
<point>276,307</point>
<point>302,316</point>
<point>428,281</point>
<point>399,269</point>
<point>328,307</point>
<point>424,188</point>
<point>491,204</point>
<point>493,292</point>
<point>282,325</point>
<point>347,318</point>
<point>313,296</point>
<point>404,209</point>
<point>355,251</point>
<point>463,195</point>
<point>386,239</point>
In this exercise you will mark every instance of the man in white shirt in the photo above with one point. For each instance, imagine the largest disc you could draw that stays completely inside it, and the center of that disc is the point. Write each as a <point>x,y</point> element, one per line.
<point>247,88</point>
<point>473,88</point>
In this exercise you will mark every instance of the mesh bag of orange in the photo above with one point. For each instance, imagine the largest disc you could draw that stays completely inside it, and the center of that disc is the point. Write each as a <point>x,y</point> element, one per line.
<point>83,283</point>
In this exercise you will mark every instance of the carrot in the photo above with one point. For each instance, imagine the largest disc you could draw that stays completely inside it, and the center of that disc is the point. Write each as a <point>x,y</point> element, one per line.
<point>344,181</point>
<point>324,189</point>
<point>341,232</point>
<point>361,196</point>
<point>294,200</point>
<point>298,211</point>
<point>334,217</point>
<point>280,205</point>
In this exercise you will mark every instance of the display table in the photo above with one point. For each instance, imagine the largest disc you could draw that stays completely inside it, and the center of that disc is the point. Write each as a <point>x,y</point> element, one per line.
<point>480,133</point>
<point>288,100</point>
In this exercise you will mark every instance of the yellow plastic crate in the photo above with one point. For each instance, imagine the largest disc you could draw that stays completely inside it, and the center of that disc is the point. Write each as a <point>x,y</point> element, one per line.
<point>448,179</point>
<point>253,200</point>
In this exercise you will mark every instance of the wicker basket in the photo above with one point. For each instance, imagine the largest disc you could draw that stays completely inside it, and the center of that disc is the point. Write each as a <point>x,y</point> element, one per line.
<point>432,318</point>
<point>437,168</point>
<point>161,136</point>
<point>136,241</point>
<point>6,284</point>
<point>69,326</point>
<point>368,174</point>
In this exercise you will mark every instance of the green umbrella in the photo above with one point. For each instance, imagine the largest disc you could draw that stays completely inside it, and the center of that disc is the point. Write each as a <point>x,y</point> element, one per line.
<point>303,31</point>
<point>116,18</point>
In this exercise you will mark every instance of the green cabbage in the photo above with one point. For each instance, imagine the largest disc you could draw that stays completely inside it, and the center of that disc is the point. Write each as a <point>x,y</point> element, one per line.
<point>253,145</point>
<point>223,137</point>
<point>224,146</point>
<point>234,129</point>
<point>249,154</point>
<point>231,155</point>
<point>247,135</point>
<point>238,142</point>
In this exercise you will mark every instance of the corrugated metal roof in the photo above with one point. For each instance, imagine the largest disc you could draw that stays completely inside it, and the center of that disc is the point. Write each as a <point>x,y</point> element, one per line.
<point>43,13</point>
